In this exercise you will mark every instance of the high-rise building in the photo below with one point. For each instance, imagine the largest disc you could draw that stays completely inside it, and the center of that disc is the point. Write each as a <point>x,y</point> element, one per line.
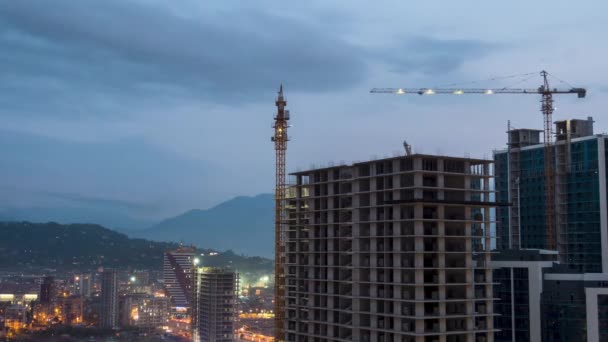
<point>48,290</point>
<point>580,196</point>
<point>82,284</point>
<point>177,275</point>
<point>566,288</point>
<point>214,306</point>
<point>108,315</point>
<point>396,249</point>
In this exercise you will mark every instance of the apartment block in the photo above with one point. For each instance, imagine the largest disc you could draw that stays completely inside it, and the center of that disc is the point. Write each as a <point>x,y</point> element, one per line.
<point>108,315</point>
<point>145,311</point>
<point>396,249</point>
<point>178,268</point>
<point>214,305</point>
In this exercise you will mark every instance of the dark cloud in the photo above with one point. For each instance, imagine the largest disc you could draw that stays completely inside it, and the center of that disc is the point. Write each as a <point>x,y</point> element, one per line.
<point>19,194</point>
<point>89,58</point>
<point>108,48</point>
<point>109,203</point>
<point>125,174</point>
<point>435,56</point>
<point>17,203</point>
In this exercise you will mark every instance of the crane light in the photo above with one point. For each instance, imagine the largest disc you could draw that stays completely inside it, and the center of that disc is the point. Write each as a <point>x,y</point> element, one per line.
<point>400,91</point>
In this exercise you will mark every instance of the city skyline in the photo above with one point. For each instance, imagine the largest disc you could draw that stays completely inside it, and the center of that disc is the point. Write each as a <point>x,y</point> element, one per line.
<point>147,107</point>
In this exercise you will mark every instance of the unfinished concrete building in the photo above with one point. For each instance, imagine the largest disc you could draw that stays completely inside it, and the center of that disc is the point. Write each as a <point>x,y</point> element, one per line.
<point>396,249</point>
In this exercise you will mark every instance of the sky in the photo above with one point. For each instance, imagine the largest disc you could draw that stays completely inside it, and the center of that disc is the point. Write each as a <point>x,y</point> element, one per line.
<point>156,107</point>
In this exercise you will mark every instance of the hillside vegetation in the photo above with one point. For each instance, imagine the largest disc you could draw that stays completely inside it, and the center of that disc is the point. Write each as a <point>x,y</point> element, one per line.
<point>87,246</point>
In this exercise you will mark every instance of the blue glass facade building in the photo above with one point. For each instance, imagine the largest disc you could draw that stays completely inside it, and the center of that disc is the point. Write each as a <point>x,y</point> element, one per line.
<point>580,181</point>
<point>571,292</point>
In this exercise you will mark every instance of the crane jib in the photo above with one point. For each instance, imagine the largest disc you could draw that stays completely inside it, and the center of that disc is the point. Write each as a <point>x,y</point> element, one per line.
<point>547,108</point>
<point>581,92</point>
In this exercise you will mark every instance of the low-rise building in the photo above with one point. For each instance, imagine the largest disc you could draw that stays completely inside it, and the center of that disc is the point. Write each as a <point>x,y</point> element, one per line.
<point>145,311</point>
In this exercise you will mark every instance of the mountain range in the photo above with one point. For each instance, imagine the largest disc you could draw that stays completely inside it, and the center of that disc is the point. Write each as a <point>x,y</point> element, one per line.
<point>242,224</point>
<point>80,214</point>
<point>86,247</point>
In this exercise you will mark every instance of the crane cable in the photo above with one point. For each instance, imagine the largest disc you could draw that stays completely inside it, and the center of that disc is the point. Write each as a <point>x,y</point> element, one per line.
<point>486,80</point>
<point>560,80</point>
<point>518,82</point>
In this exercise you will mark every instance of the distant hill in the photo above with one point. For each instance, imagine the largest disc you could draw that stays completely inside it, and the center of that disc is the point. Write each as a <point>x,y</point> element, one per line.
<point>242,224</point>
<point>106,217</point>
<point>86,246</point>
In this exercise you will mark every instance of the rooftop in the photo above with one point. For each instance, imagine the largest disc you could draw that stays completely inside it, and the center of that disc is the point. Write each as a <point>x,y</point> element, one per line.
<point>473,161</point>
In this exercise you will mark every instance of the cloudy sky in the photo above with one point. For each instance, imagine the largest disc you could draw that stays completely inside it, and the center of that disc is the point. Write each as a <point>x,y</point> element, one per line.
<point>162,106</point>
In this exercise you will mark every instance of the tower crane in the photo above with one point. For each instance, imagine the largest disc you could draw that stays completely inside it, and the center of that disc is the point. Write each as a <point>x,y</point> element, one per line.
<point>280,139</point>
<point>546,93</point>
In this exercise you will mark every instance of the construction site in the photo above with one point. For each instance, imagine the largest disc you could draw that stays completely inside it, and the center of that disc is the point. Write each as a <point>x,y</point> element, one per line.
<point>390,249</point>
<point>441,248</point>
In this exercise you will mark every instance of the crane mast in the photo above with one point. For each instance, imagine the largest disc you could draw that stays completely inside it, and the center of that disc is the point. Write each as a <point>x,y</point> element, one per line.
<point>280,139</point>
<point>547,110</point>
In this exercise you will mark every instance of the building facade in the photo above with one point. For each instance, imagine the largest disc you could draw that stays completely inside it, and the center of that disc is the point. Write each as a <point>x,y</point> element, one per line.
<point>177,276</point>
<point>48,290</point>
<point>16,293</point>
<point>108,313</point>
<point>575,307</point>
<point>518,277</point>
<point>83,284</point>
<point>396,249</point>
<point>145,311</point>
<point>15,317</point>
<point>569,294</point>
<point>214,308</point>
<point>580,195</point>
<point>71,309</point>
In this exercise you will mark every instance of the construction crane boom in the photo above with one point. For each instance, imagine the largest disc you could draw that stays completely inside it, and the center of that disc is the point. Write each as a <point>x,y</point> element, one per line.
<point>581,92</point>
<point>547,108</point>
